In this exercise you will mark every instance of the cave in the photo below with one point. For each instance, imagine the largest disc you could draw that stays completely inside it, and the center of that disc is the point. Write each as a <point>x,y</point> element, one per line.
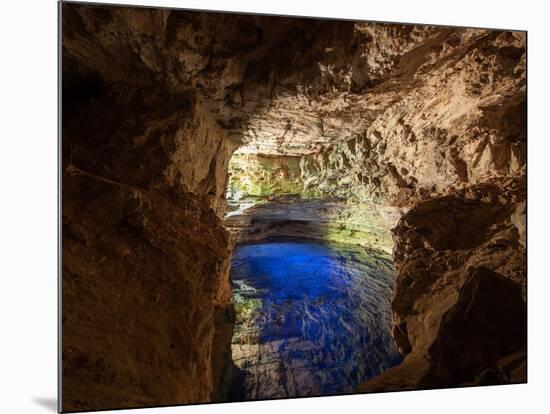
<point>359,187</point>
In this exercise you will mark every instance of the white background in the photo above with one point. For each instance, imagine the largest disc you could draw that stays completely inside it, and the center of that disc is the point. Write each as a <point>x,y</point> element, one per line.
<point>28,186</point>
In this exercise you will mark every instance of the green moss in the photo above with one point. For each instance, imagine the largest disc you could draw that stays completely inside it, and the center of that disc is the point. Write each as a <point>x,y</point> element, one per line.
<point>265,176</point>
<point>355,236</point>
<point>245,307</point>
<point>314,177</point>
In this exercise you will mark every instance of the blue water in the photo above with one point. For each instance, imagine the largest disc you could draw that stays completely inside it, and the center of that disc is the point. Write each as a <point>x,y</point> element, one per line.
<point>312,318</point>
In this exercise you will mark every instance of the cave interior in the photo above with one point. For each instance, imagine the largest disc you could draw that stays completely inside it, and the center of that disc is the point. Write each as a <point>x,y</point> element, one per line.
<point>197,146</point>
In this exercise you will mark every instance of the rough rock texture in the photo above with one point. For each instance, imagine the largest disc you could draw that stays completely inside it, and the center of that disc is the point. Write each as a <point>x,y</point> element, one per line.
<point>134,264</point>
<point>422,126</point>
<point>323,219</point>
<point>449,111</point>
<point>459,300</point>
<point>273,196</point>
<point>259,175</point>
<point>488,316</point>
<point>145,256</point>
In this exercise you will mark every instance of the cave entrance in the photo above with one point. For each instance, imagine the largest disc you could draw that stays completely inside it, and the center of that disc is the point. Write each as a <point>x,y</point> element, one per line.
<point>312,280</point>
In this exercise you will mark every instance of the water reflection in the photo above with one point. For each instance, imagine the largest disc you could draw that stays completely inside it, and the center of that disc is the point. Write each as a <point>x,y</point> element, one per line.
<point>312,318</point>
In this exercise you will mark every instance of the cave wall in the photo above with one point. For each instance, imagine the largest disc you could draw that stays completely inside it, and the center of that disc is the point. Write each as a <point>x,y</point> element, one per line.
<point>142,275</point>
<point>458,118</point>
<point>145,255</point>
<point>327,219</point>
<point>437,111</point>
<point>269,196</point>
<point>459,302</point>
<point>260,176</point>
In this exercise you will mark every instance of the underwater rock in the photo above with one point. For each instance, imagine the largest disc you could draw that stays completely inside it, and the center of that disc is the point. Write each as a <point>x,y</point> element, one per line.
<point>311,318</point>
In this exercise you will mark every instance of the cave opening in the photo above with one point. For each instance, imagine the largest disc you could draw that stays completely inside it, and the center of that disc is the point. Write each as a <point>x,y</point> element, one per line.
<point>311,281</point>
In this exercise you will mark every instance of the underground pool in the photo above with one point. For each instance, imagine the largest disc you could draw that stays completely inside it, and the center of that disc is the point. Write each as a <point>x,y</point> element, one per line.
<point>312,318</point>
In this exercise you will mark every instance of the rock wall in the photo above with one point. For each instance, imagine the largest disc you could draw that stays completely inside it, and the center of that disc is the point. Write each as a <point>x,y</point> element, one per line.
<point>263,176</point>
<point>269,196</point>
<point>459,302</point>
<point>323,219</point>
<point>142,274</point>
<point>145,255</point>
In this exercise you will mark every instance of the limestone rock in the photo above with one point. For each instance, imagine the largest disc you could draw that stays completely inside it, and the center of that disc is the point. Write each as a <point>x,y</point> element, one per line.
<point>487,322</point>
<point>443,248</point>
<point>139,292</point>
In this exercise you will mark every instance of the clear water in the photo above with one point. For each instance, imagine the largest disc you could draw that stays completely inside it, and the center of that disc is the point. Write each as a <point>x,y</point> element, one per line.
<point>312,318</point>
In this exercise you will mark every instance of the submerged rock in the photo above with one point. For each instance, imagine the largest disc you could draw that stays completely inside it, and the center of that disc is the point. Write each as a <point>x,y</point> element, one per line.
<point>311,318</point>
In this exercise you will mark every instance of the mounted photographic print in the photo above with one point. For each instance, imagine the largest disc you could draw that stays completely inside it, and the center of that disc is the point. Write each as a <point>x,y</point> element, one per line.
<point>257,207</point>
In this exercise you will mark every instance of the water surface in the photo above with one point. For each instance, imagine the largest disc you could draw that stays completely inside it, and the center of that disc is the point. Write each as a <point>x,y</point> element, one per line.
<point>312,318</point>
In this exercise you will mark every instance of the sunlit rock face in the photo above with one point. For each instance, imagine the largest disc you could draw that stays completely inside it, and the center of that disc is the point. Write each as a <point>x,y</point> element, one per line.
<point>311,318</point>
<point>271,196</point>
<point>441,110</point>
<point>322,219</point>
